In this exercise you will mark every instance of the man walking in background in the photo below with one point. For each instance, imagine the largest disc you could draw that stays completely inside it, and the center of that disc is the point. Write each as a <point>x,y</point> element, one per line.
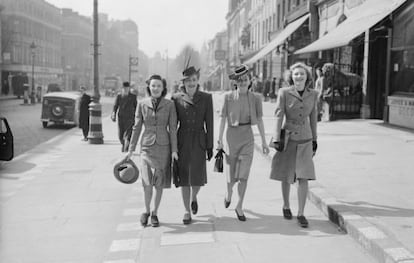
<point>84,112</point>
<point>125,105</point>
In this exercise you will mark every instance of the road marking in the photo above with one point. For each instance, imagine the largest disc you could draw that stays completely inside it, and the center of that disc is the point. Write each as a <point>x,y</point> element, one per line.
<point>372,232</point>
<point>128,227</point>
<point>182,239</point>
<point>132,212</point>
<point>125,245</point>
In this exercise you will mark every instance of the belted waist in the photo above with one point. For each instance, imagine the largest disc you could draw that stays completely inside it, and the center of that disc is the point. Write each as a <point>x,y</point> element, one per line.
<point>296,122</point>
<point>244,124</point>
<point>154,127</point>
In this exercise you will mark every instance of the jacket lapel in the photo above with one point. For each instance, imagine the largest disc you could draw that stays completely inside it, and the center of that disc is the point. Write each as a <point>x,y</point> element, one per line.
<point>163,102</point>
<point>147,102</point>
<point>196,97</point>
<point>307,93</point>
<point>294,92</point>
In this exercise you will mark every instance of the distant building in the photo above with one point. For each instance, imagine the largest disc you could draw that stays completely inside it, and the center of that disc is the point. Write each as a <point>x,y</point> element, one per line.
<point>25,22</point>
<point>217,77</point>
<point>77,33</point>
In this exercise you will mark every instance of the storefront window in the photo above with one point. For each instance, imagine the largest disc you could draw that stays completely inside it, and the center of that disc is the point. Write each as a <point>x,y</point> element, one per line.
<point>402,71</point>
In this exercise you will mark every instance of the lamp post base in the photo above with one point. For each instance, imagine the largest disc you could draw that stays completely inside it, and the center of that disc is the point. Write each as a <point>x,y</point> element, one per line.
<point>95,135</point>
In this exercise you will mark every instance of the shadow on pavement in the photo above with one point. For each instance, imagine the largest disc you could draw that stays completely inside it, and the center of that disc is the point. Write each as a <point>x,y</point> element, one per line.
<point>15,167</point>
<point>256,224</point>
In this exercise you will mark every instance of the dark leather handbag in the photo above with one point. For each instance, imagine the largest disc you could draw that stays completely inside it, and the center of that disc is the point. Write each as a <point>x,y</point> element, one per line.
<point>174,173</point>
<point>218,164</point>
<point>284,138</point>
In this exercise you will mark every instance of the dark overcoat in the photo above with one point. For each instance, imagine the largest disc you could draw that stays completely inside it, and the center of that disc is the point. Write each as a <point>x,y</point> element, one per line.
<point>195,136</point>
<point>84,111</point>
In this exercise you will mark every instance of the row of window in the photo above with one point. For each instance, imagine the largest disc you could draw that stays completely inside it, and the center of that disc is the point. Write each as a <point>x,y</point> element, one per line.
<point>44,57</point>
<point>36,31</point>
<point>39,10</point>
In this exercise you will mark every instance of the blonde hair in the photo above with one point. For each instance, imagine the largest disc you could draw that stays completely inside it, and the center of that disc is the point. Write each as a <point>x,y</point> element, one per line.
<point>309,79</point>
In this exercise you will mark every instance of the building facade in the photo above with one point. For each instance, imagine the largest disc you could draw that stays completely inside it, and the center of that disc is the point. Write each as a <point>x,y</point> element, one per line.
<point>25,22</point>
<point>77,32</point>
<point>217,78</point>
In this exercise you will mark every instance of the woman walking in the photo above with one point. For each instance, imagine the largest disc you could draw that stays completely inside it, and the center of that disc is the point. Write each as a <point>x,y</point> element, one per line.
<point>195,139</point>
<point>296,113</point>
<point>241,110</point>
<point>158,144</point>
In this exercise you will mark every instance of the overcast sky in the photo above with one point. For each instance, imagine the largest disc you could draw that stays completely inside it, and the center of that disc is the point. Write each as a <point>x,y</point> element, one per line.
<point>162,24</point>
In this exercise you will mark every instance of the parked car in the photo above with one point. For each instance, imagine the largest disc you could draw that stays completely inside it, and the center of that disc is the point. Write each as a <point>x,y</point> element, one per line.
<point>6,141</point>
<point>60,108</point>
<point>53,87</point>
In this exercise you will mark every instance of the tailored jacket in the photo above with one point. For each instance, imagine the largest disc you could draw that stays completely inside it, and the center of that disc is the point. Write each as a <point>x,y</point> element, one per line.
<point>297,114</point>
<point>195,136</point>
<point>231,108</point>
<point>160,125</point>
<point>125,106</point>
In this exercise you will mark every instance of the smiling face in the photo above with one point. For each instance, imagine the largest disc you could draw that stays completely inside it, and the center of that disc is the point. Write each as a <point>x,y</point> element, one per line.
<point>191,83</point>
<point>156,87</point>
<point>299,77</point>
<point>243,82</point>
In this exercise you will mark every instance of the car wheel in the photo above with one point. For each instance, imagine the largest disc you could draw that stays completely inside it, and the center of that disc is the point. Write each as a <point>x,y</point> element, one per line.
<point>44,123</point>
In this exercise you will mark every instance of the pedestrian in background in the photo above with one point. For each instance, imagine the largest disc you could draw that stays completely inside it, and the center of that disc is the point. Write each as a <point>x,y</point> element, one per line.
<point>319,89</point>
<point>296,113</point>
<point>158,144</point>
<point>84,112</point>
<point>273,91</point>
<point>195,139</point>
<point>125,106</point>
<point>266,90</point>
<point>241,109</point>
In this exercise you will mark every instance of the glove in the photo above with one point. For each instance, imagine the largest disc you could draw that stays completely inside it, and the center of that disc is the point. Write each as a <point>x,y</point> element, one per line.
<point>278,146</point>
<point>113,117</point>
<point>209,153</point>
<point>314,146</point>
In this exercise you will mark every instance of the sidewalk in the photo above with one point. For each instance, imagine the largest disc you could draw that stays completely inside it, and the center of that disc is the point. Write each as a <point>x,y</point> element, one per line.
<point>60,203</point>
<point>365,183</point>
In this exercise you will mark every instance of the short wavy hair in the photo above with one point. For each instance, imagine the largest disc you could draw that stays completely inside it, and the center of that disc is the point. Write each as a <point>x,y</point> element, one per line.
<point>164,84</point>
<point>309,78</point>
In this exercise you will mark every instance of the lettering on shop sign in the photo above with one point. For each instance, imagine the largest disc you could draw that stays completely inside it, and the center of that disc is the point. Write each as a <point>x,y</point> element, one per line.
<point>400,102</point>
<point>406,111</point>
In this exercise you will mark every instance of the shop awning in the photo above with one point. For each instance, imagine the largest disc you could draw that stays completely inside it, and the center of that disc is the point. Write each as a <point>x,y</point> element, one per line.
<point>278,40</point>
<point>359,20</point>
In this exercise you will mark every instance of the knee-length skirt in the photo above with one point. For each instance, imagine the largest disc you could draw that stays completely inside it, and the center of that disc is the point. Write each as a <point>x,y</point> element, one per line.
<point>241,148</point>
<point>293,163</point>
<point>156,165</point>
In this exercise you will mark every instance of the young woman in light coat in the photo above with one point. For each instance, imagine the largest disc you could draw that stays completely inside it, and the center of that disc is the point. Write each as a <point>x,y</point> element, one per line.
<point>296,112</point>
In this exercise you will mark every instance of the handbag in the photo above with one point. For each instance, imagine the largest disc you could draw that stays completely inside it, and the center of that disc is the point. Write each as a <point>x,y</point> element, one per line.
<point>174,173</point>
<point>284,139</point>
<point>218,164</point>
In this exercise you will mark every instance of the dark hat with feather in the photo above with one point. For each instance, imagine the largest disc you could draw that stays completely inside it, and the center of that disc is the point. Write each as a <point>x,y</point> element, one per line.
<point>189,70</point>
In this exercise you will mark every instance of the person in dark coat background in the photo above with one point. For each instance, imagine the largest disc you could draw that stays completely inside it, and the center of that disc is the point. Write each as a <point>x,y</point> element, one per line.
<point>125,106</point>
<point>84,113</point>
<point>195,139</point>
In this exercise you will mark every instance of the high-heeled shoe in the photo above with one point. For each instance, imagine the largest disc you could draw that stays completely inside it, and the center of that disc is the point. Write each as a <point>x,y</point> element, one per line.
<point>226,203</point>
<point>194,207</point>
<point>240,217</point>
<point>187,219</point>
<point>154,220</point>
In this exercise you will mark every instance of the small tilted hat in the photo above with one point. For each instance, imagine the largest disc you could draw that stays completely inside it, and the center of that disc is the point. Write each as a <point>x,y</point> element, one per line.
<point>188,72</point>
<point>239,71</point>
<point>125,84</point>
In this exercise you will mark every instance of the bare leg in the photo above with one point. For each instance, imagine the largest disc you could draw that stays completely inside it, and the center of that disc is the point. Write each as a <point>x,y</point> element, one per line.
<point>194,192</point>
<point>285,194</point>
<point>241,187</point>
<point>185,192</point>
<point>147,197</point>
<point>157,201</point>
<point>302,194</point>
<point>229,191</point>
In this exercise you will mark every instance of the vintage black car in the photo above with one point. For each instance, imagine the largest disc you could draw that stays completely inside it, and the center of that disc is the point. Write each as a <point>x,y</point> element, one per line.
<point>6,141</point>
<point>60,108</point>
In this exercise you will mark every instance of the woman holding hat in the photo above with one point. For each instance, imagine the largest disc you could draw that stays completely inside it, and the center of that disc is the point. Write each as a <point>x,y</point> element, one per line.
<point>296,112</point>
<point>195,139</point>
<point>241,110</point>
<point>158,143</point>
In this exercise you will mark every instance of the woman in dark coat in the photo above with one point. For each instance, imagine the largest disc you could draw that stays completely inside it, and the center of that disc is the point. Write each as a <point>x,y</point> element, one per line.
<point>84,113</point>
<point>195,139</point>
<point>296,112</point>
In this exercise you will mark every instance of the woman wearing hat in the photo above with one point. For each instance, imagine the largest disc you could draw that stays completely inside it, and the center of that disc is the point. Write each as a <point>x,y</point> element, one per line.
<point>241,109</point>
<point>296,112</point>
<point>158,143</point>
<point>195,139</point>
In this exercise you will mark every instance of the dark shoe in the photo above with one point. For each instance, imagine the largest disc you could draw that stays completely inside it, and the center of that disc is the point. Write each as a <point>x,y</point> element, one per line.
<point>194,207</point>
<point>240,217</point>
<point>144,218</point>
<point>187,219</point>
<point>226,203</point>
<point>154,221</point>
<point>302,221</point>
<point>287,214</point>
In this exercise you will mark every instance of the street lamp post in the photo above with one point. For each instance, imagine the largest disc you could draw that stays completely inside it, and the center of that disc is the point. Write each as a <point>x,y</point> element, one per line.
<point>95,135</point>
<point>31,92</point>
